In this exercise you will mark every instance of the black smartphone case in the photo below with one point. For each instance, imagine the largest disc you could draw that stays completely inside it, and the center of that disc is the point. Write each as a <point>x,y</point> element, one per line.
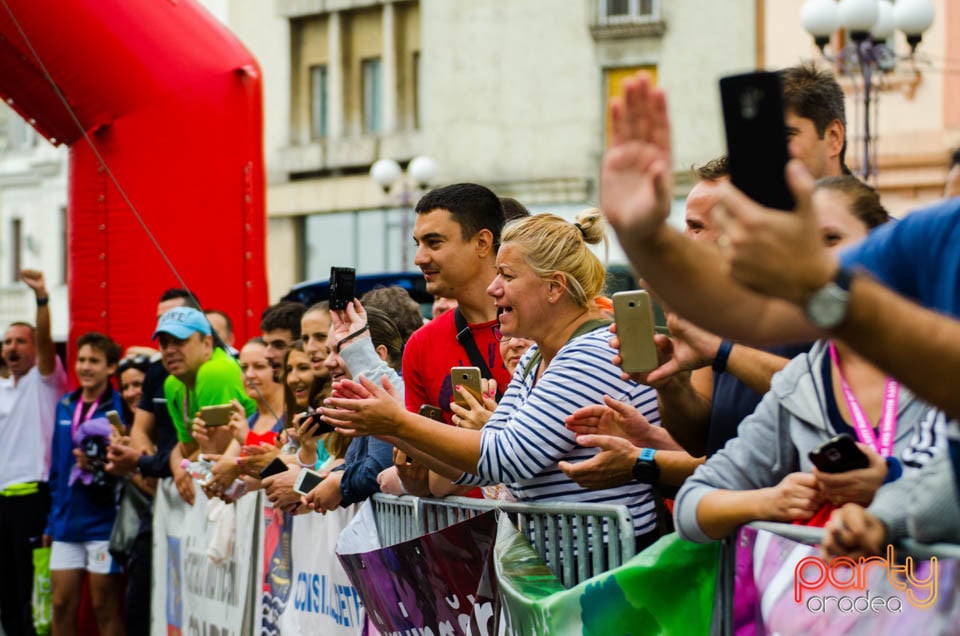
<point>757,137</point>
<point>839,455</point>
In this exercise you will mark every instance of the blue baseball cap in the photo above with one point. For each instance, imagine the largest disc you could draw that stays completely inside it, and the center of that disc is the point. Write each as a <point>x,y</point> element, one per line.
<point>180,322</point>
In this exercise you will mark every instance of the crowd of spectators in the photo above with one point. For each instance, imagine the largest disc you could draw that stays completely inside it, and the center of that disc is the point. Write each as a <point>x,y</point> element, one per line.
<point>363,396</point>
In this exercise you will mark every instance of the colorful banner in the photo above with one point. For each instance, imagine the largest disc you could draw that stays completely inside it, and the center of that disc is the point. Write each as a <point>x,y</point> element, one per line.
<point>786,587</point>
<point>194,594</point>
<point>430,584</point>
<point>666,589</point>
<point>318,598</point>
<point>276,572</point>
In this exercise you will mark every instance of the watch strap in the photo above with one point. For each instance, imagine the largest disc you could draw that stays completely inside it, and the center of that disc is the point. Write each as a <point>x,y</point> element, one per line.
<point>723,354</point>
<point>843,278</point>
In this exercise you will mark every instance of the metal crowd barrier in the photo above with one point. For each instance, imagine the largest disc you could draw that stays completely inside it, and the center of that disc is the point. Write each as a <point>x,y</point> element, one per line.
<point>560,532</point>
<point>723,624</point>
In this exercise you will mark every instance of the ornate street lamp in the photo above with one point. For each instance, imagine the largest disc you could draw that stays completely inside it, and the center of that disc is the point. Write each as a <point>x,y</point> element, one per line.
<point>869,23</point>
<point>421,172</point>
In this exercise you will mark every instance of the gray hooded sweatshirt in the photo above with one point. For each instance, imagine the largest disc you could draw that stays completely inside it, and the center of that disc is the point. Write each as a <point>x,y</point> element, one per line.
<point>789,422</point>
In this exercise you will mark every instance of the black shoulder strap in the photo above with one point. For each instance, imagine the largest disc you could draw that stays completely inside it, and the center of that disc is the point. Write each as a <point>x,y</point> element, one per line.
<point>586,327</point>
<point>465,338</point>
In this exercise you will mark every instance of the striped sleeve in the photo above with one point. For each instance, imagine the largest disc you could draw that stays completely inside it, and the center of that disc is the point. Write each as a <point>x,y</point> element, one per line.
<point>522,442</point>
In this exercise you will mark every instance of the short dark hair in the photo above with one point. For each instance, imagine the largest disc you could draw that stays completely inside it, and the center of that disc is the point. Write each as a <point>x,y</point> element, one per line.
<point>284,315</point>
<point>394,301</point>
<point>955,157</point>
<point>383,331</point>
<point>179,292</point>
<point>864,200</point>
<point>473,206</point>
<point>816,95</point>
<point>102,343</point>
<point>713,170</point>
<point>513,209</point>
<point>223,315</point>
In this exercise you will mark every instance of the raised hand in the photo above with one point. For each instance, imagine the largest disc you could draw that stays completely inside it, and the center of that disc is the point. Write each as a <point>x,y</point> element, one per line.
<point>775,253</point>
<point>34,279</point>
<point>637,174</point>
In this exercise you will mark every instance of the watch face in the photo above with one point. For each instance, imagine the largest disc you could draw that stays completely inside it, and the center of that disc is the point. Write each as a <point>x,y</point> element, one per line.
<point>646,471</point>
<point>828,307</point>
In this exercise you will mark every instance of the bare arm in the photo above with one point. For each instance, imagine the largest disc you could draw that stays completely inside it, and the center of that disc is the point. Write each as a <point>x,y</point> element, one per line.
<point>921,357</point>
<point>441,486</point>
<point>613,465</point>
<point>754,367</point>
<point>676,466</point>
<point>141,432</point>
<point>438,468</point>
<point>691,277</point>
<point>46,352</point>
<point>685,412</point>
<point>720,512</point>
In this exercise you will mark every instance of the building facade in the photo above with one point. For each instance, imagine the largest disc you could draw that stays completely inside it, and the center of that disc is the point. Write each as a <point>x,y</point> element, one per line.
<point>512,95</point>
<point>509,94</point>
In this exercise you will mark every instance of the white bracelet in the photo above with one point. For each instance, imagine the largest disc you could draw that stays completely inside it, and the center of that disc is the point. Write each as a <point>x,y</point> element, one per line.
<point>299,461</point>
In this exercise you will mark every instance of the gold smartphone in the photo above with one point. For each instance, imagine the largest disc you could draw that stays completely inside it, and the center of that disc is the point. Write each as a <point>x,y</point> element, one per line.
<point>633,313</point>
<point>114,418</point>
<point>469,378</point>
<point>218,415</point>
<point>433,412</point>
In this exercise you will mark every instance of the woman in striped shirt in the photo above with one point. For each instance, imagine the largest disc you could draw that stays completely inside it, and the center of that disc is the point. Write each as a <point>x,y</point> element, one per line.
<point>546,286</point>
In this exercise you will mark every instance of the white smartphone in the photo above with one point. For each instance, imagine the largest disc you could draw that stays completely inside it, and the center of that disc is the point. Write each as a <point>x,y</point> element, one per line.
<point>307,480</point>
<point>633,313</point>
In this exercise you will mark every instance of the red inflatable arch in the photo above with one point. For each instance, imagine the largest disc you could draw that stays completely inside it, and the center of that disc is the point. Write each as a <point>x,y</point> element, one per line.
<point>172,103</point>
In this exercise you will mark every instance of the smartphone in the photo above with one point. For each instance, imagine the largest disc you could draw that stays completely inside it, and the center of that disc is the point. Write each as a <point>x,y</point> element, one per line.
<point>307,480</point>
<point>633,313</point>
<point>218,415</point>
<point>839,455</point>
<point>315,425</point>
<point>757,137</point>
<point>273,468</point>
<point>342,286</point>
<point>469,378</point>
<point>433,412</point>
<point>114,418</point>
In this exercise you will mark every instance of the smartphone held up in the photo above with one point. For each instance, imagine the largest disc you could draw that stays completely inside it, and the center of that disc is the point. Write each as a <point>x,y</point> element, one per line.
<point>757,152</point>
<point>633,313</point>
<point>342,286</point>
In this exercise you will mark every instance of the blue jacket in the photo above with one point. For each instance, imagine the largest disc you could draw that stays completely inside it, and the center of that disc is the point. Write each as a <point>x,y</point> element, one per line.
<point>78,513</point>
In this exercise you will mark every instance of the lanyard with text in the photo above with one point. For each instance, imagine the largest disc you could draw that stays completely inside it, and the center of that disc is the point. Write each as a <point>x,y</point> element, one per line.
<point>79,417</point>
<point>888,418</point>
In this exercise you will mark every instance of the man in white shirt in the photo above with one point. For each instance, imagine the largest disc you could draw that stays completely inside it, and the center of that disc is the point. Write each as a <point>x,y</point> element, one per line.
<point>27,402</point>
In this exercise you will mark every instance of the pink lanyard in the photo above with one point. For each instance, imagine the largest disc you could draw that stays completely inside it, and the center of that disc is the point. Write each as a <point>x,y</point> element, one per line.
<point>888,419</point>
<point>78,413</point>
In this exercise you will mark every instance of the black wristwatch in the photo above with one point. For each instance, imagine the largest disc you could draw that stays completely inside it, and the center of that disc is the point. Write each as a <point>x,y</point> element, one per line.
<point>646,470</point>
<point>827,308</point>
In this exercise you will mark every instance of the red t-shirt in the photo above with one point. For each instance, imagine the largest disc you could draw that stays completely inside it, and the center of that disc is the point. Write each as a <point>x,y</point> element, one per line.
<point>433,350</point>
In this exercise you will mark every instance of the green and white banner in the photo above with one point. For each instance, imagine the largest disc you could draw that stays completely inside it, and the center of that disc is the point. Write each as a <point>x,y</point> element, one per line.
<point>666,589</point>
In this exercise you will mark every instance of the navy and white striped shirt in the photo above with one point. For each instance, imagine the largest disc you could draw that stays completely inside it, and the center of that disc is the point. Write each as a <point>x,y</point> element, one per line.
<point>526,436</point>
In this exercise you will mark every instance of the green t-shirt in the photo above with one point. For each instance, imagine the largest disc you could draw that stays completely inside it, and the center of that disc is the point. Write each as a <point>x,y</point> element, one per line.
<point>219,381</point>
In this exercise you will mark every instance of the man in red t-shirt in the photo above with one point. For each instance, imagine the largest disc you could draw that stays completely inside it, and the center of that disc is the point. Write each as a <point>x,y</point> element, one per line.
<point>457,232</point>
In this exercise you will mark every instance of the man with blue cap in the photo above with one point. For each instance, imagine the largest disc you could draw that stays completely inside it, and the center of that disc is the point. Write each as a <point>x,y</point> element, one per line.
<point>200,374</point>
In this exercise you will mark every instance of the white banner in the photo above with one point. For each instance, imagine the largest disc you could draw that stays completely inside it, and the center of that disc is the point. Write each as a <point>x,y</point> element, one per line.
<point>192,594</point>
<point>304,588</point>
